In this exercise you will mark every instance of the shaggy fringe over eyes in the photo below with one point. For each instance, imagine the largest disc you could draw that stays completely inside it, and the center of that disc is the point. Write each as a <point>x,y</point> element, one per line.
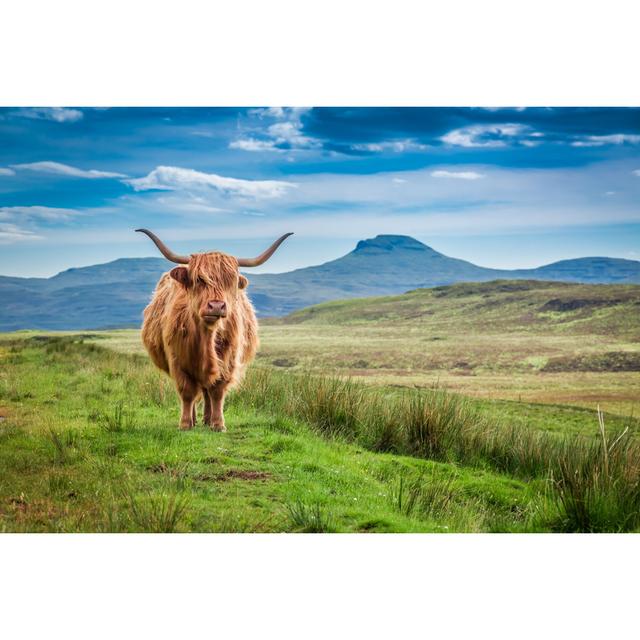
<point>213,269</point>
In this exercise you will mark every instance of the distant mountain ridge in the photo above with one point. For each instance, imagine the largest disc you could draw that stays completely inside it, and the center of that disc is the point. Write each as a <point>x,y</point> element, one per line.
<point>114,294</point>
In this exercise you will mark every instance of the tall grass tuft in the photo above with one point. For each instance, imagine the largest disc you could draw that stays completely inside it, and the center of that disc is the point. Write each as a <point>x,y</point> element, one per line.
<point>426,495</point>
<point>598,489</point>
<point>63,444</point>
<point>158,513</point>
<point>119,419</point>
<point>309,518</point>
<point>434,421</point>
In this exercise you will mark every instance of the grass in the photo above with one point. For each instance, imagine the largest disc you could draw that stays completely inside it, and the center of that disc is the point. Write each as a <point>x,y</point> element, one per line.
<point>431,496</point>
<point>596,483</point>
<point>158,513</point>
<point>309,518</point>
<point>601,490</point>
<point>539,342</point>
<point>89,443</point>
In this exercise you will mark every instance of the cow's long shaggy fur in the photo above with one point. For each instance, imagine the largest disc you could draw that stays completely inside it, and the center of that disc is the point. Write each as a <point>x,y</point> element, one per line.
<point>204,360</point>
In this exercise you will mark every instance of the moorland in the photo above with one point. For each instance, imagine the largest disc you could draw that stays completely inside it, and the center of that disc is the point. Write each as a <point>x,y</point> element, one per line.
<point>477,407</point>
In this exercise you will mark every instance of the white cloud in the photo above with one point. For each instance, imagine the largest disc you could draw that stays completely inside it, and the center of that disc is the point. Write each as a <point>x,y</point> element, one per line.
<point>280,113</point>
<point>398,180</point>
<point>391,145</point>
<point>177,178</point>
<point>461,175</point>
<point>492,135</point>
<point>503,108</point>
<point>251,144</point>
<point>290,133</point>
<point>10,233</point>
<point>599,141</point>
<point>66,170</point>
<point>7,172</point>
<point>286,133</point>
<point>636,172</point>
<point>36,212</point>
<point>56,114</point>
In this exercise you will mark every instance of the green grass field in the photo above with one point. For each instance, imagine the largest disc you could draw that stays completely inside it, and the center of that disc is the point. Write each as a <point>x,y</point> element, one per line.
<point>89,443</point>
<point>89,438</point>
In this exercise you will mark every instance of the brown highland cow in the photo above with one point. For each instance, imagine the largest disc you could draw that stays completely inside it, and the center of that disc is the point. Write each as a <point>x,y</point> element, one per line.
<point>201,329</point>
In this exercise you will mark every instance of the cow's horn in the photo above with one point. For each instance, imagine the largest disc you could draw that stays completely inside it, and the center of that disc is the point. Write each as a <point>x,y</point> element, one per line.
<point>164,250</point>
<point>263,257</point>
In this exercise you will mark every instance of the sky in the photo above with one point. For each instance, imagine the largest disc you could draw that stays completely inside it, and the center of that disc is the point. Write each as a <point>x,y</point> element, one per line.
<point>500,187</point>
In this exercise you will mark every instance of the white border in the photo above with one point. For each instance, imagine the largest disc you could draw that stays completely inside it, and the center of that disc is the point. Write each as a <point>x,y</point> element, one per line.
<point>322,586</point>
<point>338,52</point>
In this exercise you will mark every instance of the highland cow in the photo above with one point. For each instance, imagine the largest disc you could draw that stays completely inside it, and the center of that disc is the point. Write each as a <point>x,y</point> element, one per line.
<point>201,329</point>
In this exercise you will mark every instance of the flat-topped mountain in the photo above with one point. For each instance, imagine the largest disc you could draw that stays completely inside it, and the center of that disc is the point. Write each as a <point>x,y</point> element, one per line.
<point>114,294</point>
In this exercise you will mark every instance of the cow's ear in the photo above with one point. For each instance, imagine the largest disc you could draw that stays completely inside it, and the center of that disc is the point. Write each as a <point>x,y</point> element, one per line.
<point>242,282</point>
<point>181,275</point>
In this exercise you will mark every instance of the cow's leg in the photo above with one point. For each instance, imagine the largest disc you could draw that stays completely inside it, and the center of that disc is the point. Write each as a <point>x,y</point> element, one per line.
<point>214,403</point>
<point>208,408</point>
<point>188,391</point>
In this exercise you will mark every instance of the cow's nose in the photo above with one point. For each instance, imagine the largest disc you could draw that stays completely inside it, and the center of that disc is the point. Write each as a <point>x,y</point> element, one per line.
<point>216,308</point>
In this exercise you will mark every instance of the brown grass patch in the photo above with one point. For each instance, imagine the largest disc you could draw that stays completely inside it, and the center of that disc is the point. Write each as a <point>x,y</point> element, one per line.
<point>232,474</point>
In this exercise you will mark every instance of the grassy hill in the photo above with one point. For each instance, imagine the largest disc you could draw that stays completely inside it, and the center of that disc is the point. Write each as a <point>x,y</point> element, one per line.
<point>509,340</point>
<point>504,305</point>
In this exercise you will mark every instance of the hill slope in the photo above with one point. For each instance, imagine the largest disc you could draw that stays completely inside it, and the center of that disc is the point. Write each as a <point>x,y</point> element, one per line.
<point>543,342</point>
<point>114,294</point>
<point>498,306</point>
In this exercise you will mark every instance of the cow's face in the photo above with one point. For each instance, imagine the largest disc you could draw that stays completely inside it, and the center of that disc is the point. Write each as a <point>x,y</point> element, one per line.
<point>211,282</point>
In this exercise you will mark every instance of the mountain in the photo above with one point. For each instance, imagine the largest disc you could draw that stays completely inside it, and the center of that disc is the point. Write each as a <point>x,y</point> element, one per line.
<point>114,294</point>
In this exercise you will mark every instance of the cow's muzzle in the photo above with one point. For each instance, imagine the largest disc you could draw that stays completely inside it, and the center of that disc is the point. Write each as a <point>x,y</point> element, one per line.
<point>214,310</point>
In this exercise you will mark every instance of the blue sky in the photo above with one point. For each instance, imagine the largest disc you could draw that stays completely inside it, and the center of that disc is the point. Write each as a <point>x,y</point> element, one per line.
<point>500,187</point>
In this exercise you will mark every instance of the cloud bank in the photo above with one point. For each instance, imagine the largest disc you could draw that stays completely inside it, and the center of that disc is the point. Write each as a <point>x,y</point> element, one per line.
<point>34,212</point>
<point>55,114</point>
<point>66,170</point>
<point>177,178</point>
<point>284,134</point>
<point>461,175</point>
<point>10,233</point>
<point>599,141</point>
<point>492,135</point>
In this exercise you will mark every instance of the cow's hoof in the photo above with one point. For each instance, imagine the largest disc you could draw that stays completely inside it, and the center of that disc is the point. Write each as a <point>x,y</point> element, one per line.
<point>186,427</point>
<point>218,427</point>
